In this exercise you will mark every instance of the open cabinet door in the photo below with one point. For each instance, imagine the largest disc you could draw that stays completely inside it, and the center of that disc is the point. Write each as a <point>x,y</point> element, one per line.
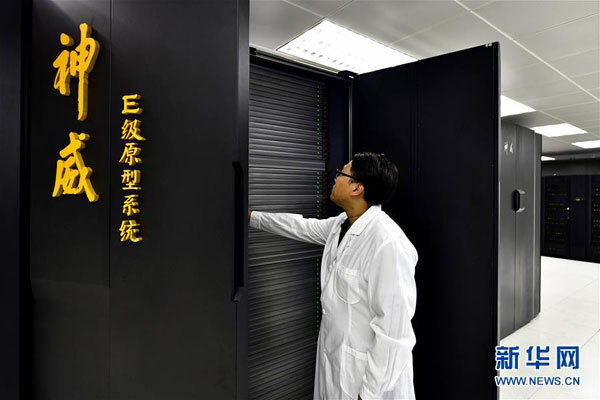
<point>438,120</point>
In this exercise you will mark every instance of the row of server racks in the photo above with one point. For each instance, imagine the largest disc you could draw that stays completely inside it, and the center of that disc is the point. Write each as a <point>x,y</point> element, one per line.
<point>571,217</point>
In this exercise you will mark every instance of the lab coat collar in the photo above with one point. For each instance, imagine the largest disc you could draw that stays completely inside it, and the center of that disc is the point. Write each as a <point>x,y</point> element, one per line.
<point>357,227</point>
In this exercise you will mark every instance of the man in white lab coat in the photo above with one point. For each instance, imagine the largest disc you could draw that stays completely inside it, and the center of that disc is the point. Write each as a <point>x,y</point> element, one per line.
<point>368,291</point>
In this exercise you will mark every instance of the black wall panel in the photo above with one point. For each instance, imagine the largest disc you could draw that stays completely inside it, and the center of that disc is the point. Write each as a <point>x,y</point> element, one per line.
<point>507,229</point>
<point>156,319</point>
<point>524,256</point>
<point>383,104</point>
<point>457,179</point>
<point>519,233</point>
<point>172,318</point>
<point>537,226</point>
<point>69,235</point>
<point>14,293</point>
<point>437,119</point>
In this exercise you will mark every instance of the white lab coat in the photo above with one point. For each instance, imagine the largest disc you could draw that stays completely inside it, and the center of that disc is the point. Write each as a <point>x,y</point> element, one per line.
<point>368,295</point>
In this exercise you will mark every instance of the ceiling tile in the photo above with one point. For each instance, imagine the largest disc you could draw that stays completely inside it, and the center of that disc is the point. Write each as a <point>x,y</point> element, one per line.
<point>579,64</point>
<point>589,81</point>
<point>575,112</point>
<point>551,145</point>
<point>563,100</point>
<point>475,4</point>
<point>572,38</point>
<point>323,7</point>
<point>595,92</point>
<point>531,119</point>
<point>389,21</point>
<point>536,74</point>
<point>572,109</point>
<point>419,47</point>
<point>518,18</point>
<point>274,23</point>
<point>541,91</point>
<point>577,138</point>
<point>461,33</point>
<point>585,124</point>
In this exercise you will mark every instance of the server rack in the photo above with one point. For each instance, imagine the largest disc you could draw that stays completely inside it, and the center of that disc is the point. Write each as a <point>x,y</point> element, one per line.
<point>571,226</point>
<point>556,216</point>
<point>287,173</point>
<point>594,248</point>
<point>579,206</point>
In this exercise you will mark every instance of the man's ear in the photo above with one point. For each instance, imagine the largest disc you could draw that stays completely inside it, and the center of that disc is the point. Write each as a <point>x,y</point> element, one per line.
<point>358,190</point>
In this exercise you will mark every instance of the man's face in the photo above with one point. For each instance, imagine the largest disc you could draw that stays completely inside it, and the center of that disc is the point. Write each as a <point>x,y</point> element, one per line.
<point>343,187</point>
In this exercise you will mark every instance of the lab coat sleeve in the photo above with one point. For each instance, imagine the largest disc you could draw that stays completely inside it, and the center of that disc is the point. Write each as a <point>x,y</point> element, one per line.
<point>392,300</point>
<point>293,226</point>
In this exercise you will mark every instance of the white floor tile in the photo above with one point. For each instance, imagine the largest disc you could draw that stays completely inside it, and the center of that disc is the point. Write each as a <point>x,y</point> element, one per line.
<point>569,315</point>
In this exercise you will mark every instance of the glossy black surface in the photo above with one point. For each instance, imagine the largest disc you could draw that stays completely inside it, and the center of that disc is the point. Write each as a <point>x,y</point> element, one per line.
<point>437,119</point>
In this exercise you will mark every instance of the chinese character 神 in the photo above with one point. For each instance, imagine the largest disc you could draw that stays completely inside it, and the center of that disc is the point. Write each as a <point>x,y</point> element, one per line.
<point>567,356</point>
<point>130,105</point>
<point>131,130</point>
<point>72,176</point>
<point>506,357</point>
<point>130,152</point>
<point>130,206</point>
<point>129,231</point>
<point>131,178</point>
<point>539,359</point>
<point>79,63</point>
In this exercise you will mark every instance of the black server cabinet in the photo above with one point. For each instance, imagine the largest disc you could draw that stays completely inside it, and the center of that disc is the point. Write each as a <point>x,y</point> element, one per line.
<point>594,241</point>
<point>556,216</point>
<point>579,216</point>
<point>519,235</point>
<point>163,318</point>
<point>437,119</point>
<point>571,217</point>
<point>297,137</point>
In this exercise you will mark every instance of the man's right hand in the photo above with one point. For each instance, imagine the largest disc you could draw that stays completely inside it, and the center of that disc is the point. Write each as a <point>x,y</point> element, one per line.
<point>249,214</point>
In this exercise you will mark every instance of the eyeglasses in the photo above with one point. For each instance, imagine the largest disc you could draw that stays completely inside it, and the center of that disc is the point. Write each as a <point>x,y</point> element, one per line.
<point>338,173</point>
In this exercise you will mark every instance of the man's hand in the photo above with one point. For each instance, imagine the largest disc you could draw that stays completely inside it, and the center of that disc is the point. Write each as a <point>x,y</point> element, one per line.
<point>249,214</point>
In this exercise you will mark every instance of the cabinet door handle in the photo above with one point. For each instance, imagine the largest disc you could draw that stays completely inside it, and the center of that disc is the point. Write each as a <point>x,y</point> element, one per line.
<point>239,218</point>
<point>517,194</point>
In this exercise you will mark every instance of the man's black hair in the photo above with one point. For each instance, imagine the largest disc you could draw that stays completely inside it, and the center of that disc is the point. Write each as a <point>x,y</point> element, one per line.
<point>378,175</point>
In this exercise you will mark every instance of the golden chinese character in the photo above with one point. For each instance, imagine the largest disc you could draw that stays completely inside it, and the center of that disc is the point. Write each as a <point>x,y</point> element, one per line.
<point>131,130</point>
<point>70,180</point>
<point>129,231</point>
<point>130,106</point>
<point>131,205</point>
<point>78,62</point>
<point>130,152</point>
<point>131,178</point>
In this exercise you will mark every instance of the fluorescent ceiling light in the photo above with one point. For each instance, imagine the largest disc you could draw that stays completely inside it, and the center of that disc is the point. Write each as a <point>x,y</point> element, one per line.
<point>589,144</point>
<point>511,107</point>
<point>546,158</point>
<point>338,48</point>
<point>558,130</point>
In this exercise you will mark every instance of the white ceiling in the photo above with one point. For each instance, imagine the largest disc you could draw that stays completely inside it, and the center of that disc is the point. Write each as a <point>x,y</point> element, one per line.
<point>549,49</point>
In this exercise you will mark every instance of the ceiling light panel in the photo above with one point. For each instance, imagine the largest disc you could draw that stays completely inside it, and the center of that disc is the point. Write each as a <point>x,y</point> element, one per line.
<point>588,144</point>
<point>558,130</point>
<point>509,106</point>
<point>546,158</point>
<point>335,47</point>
